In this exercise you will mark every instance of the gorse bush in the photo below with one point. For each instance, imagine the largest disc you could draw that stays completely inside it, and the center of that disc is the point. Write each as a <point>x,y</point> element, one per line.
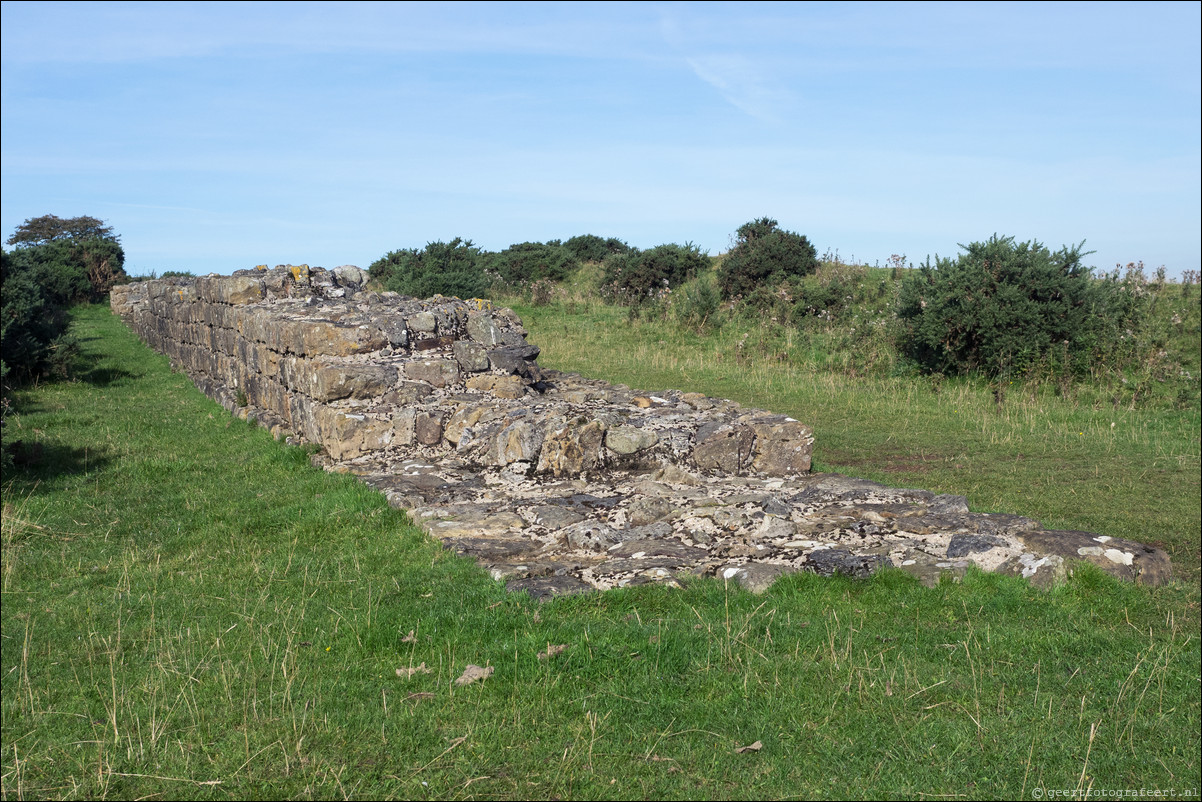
<point>441,268</point>
<point>636,277</point>
<point>33,324</point>
<point>697,305</point>
<point>764,257</point>
<point>1004,308</point>
<point>528,262</point>
<point>591,248</point>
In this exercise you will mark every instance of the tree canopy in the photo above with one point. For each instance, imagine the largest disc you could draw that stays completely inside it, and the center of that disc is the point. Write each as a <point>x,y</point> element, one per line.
<point>52,228</point>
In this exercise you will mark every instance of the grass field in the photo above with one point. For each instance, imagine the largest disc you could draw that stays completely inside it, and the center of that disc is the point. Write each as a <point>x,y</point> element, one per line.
<point>191,611</point>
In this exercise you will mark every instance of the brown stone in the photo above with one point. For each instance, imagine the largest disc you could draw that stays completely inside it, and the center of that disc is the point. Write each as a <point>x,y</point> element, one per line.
<point>428,428</point>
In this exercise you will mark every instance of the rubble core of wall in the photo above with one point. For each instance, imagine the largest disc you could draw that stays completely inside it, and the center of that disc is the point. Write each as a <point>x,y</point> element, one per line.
<point>554,482</point>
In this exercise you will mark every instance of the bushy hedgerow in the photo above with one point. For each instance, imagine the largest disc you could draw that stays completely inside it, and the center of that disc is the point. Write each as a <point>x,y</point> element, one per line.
<point>33,323</point>
<point>527,262</point>
<point>33,331</point>
<point>73,272</point>
<point>1003,308</point>
<point>454,268</point>
<point>635,277</point>
<point>591,248</point>
<point>764,257</point>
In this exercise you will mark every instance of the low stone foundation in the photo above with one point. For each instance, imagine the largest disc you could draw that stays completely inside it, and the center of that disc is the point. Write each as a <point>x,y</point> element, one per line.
<point>554,482</point>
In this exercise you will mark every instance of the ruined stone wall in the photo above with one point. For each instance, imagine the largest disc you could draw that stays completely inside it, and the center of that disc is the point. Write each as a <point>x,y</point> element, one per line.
<point>316,358</point>
<point>556,483</point>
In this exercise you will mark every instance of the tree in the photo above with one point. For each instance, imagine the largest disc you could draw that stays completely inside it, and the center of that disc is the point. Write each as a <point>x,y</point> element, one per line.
<point>75,260</point>
<point>52,228</point>
<point>764,256</point>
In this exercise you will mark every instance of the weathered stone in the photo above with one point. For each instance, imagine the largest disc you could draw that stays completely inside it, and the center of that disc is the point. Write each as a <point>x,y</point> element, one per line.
<point>407,393</point>
<point>547,587</point>
<point>349,436</point>
<point>464,418</point>
<point>629,439</point>
<point>781,447</point>
<point>571,447</point>
<point>518,442</point>
<point>828,562</point>
<point>483,329</point>
<point>359,380</point>
<point>517,359</point>
<point>508,387</point>
<point>755,577</point>
<point>471,356</point>
<point>649,510</point>
<point>352,275</point>
<point>1121,558</point>
<point>404,426</point>
<point>434,372</point>
<point>657,547</point>
<point>427,428</point>
<point>555,517</point>
<point>423,322</point>
<point>724,447</point>
<point>964,545</point>
<point>591,536</point>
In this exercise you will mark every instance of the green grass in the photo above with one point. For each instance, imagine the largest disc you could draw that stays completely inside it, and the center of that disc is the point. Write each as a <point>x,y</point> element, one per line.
<point>191,611</point>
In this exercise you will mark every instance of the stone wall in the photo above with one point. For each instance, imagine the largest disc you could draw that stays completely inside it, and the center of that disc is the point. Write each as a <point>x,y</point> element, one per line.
<point>554,482</point>
<point>314,358</point>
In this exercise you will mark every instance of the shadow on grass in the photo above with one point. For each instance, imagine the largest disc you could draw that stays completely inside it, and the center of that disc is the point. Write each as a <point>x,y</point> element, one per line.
<point>40,461</point>
<point>104,377</point>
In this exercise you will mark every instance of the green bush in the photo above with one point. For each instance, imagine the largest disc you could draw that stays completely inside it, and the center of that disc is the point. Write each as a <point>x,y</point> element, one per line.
<point>697,305</point>
<point>1003,308</point>
<point>528,262</point>
<point>454,268</point>
<point>33,323</point>
<point>75,260</point>
<point>636,277</point>
<point>591,248</point>
<point>764,257</point>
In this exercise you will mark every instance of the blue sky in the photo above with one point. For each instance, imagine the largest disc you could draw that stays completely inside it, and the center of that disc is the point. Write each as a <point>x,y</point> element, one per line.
<point>218,136</point>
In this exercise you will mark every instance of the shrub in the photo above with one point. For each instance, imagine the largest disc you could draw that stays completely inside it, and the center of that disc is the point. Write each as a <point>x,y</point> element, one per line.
<point>764,257</point>
<point>76,260</point>
<point>33,324</point>
<point>591,248</point>
<point>1003,307</point>
<point>635,277</point>
<point>452,268</point>
<point>697,305</point>
<point>528,262</point>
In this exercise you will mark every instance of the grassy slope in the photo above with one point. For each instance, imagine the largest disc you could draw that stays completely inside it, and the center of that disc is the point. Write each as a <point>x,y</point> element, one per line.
<point>189,610</point>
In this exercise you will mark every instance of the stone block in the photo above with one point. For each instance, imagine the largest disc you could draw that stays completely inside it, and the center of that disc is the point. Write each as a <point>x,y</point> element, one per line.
<point>354,380</point>
<point>428,428</point>
<point>434,372</point>
<point>571,447</point>
<point>626,440</point>
<point>471,356</point>
<point>724,447</point>
<point>481,328</point>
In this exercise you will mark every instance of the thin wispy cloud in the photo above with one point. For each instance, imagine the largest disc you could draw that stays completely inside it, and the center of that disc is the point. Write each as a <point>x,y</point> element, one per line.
<point>743,84</point>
